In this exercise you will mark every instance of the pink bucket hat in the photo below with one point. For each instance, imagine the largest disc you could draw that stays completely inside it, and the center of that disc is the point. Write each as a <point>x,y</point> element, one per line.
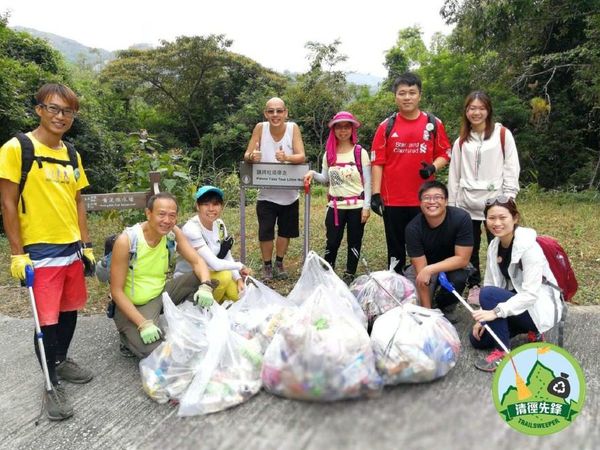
<point>344,116</point>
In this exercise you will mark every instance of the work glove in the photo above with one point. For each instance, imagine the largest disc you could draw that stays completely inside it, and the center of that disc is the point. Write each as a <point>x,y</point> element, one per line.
<point>18,264</point>
<point>89,261</point>
<point>149,332</point>
<point>427,170</point>
<point>203,297</point>
<point>377,204</point>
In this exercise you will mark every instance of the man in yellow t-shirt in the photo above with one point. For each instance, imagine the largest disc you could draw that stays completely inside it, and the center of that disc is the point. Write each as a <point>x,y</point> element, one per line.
<point>45,225</point>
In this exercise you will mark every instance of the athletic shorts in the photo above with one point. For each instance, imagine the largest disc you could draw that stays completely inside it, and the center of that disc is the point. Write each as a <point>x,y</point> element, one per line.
<point>58,289</point>
<point>286,217</point>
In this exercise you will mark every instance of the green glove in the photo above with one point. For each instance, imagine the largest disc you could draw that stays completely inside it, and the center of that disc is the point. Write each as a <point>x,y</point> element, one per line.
<point>149,332</point>
<point>203,296</point>
<point>18,264</point>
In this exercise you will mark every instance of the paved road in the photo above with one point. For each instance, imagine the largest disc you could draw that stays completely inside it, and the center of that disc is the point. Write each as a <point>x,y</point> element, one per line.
<point>112,412</point>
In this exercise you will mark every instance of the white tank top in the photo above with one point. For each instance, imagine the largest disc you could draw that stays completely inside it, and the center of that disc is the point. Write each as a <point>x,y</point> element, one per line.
<point>268,146</point>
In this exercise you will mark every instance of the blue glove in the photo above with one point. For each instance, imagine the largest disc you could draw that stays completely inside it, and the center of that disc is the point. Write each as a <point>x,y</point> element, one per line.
<point>377,205</point>
<point>203,297</point>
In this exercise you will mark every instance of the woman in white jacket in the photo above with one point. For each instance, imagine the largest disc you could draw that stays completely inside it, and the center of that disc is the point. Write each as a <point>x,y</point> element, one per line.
<point>514,299</point>
<point>484,164</point>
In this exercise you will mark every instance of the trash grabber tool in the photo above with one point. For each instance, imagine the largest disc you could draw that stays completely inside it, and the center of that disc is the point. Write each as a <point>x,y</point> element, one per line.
<point>38,332</point>
<point>522,389</point>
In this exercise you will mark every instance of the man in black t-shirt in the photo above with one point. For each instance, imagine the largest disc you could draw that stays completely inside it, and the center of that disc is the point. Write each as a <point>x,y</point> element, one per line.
<point>439,239</point>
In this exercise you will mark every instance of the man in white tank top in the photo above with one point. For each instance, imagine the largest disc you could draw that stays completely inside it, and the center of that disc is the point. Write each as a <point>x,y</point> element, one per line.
<point>276,140</point>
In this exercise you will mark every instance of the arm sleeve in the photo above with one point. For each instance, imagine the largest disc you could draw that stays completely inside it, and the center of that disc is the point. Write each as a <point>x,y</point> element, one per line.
<point>454,174</point>
<point>234,273</point>
<point>323,177</point>
<point>512,168</point>
<point>215,263</point>
<point>366,167</point>
<point>441,147</point>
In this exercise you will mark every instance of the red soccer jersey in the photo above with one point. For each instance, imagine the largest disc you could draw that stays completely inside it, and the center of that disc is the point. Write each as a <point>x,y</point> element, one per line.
<point>409,143</point>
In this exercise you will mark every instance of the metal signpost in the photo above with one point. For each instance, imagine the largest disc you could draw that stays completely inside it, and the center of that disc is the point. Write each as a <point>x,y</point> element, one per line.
<point>272,176</point>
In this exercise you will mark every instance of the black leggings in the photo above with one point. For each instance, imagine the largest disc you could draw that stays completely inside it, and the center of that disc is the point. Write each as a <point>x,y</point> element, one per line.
<point>356,229</point>
<point>475,277</point>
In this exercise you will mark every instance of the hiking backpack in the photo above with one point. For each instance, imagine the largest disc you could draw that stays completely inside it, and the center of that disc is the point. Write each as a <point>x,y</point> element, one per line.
<point>560,265</point>
<point>392,120</point>
<point>358,163</point>
<point>28,157</point>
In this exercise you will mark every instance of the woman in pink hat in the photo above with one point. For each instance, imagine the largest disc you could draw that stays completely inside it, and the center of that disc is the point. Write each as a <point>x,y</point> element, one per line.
<point>347,170</point>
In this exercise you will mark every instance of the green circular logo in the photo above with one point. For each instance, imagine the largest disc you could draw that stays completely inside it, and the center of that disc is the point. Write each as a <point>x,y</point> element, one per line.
<point>539,388</point>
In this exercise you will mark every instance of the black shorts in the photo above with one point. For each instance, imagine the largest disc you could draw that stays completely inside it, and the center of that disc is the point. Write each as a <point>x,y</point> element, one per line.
<point>286,217</point>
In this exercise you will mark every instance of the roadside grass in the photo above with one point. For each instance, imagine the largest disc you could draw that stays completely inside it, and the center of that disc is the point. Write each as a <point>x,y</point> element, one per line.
<point>574,219</point>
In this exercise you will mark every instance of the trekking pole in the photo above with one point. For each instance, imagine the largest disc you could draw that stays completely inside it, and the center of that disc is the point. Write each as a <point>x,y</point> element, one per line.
<point>443,279</point>
<point>38,332</point>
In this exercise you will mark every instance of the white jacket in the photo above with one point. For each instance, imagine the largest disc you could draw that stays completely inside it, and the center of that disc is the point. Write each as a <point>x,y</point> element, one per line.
<point>540,300</point>
<point>479,171</point>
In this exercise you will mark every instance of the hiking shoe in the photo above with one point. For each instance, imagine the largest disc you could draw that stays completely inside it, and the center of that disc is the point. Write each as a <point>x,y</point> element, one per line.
<point>70,371</point>
<point>267,272</point>
<point>535,337</point>
<point>450,313</point>
<point>125,352</point>
<point>280,272</point>
<point>491,361</point>
<point>348,278</point>
<point>473,297</point>
<point>56,403</point>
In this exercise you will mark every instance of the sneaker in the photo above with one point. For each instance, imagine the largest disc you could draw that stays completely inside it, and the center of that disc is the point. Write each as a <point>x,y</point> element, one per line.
<point>70,371</point>
<point>267,272</point>
<point>280,272</point>
<point>56,403</point>
<point>535,337</point>
<point>473,297</point>
<point>348,278</point>
<point>491,361</point>
<point>125,352</point>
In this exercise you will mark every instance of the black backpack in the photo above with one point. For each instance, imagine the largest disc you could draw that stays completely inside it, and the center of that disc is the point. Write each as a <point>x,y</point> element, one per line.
<point>28,156</point>
<point>392,119</point>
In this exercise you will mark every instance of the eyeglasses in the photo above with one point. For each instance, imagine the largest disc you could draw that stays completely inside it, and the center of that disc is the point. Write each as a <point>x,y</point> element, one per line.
<point>273,111</point>
<point>432,198</point>
<point>499,200</point>
<point>55,110</point>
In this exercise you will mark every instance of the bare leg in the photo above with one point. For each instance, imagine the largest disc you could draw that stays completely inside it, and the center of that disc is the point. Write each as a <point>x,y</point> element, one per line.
<point>266,250</point>
<point>281,246</point>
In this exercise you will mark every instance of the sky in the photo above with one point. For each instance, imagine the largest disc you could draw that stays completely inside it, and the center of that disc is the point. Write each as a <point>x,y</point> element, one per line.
<point>273,33</point>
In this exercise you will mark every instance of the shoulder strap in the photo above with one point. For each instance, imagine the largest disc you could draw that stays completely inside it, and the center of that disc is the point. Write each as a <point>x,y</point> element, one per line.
<point>433,121</point>
<point>72,155</point>
<point>132,235</point>
<point>358,160</point>
<point>221,228</point>
<point>390,124</point>
<point>503,140</point>
<point>27,156</point>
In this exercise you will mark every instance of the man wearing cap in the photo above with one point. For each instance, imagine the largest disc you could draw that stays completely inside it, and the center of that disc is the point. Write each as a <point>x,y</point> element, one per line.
<point>408,148</point>
<point>137,281</point>
<point>207,234</point>
<point>276,141</point>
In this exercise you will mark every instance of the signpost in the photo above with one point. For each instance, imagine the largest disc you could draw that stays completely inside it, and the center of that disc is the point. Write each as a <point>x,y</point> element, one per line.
<point>272,176</point>
<point>122,200</point>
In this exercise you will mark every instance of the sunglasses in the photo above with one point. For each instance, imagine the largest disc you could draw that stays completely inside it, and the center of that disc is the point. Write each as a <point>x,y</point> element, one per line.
<point>499,200</point>
<point>273,111</point>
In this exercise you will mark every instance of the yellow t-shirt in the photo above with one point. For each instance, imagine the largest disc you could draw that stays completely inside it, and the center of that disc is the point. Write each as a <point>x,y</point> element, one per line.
<point>149,273</point>
<point>344,180</point>
<point>49,194</point>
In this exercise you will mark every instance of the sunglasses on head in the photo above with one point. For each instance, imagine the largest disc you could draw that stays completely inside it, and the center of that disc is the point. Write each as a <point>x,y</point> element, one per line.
<point>499,200</point>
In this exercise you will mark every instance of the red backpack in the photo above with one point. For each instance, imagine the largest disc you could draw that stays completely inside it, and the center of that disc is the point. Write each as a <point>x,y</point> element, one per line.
<point>560,266</point>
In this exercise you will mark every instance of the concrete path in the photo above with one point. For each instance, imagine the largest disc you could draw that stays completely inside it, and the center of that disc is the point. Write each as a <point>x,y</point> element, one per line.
<point>112,412</point>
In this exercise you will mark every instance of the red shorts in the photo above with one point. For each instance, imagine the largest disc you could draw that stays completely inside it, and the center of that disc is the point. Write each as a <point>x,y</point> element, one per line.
<point>57,289</point>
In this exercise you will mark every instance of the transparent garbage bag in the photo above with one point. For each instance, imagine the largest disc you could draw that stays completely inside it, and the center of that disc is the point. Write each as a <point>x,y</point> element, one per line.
<point>323,353</point>
<point>378,292</point>
<point>317,272</point>
<point>259,312</point>
<point>169,369</point>
<point>228,375</point>
<point>413,344</point>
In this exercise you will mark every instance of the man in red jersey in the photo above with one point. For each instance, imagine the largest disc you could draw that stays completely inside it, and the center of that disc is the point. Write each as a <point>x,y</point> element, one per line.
<point>408,148</point>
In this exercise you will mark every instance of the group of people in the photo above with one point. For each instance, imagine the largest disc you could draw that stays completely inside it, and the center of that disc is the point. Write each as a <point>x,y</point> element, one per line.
<point>439,227</point>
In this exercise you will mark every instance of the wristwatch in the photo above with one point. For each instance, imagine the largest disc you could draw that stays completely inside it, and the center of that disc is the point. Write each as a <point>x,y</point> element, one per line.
<point>497,311</point>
